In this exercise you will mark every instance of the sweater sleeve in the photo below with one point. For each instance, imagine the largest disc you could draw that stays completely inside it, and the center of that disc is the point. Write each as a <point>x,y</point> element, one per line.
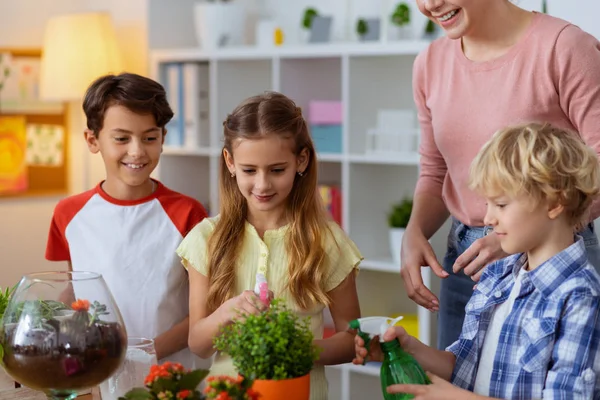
<point>432,164</point>
<point>577,69</point>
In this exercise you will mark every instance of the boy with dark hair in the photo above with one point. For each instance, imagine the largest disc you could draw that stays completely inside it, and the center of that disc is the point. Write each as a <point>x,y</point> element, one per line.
<point>128,227</point>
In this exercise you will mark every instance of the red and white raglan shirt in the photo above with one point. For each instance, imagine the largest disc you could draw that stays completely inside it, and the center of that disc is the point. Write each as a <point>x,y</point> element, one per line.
<point>132,244</point>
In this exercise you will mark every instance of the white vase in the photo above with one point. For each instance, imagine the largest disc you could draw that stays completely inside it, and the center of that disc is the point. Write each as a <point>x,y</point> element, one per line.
<point>396,244</point>
<point>219,24</point>
<point>265,33</point>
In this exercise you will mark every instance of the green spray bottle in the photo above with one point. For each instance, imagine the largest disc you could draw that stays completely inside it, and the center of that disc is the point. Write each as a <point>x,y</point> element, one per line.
<point>398,366</point>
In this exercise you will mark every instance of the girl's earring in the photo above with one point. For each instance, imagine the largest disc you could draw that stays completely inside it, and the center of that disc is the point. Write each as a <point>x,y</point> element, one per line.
<point>300,173</point>
<point>233,174</point>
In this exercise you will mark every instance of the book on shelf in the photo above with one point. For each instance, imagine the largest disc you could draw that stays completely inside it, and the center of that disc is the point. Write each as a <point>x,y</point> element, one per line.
<point>332,199</point>
<point>187,87</point>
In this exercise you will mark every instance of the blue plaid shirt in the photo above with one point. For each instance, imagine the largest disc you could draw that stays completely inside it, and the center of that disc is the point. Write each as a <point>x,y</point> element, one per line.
<point>549,343</point>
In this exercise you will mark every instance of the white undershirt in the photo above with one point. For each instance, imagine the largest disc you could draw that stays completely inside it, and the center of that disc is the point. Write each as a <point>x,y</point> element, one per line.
<point>492,338</point>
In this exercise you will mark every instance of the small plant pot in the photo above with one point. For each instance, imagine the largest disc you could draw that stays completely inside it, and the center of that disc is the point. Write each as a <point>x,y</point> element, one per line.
<point>396,244</point>
<point>288,389</point>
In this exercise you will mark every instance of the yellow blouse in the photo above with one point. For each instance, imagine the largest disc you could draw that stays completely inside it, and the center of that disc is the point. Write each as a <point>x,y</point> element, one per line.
<point>342,258</point>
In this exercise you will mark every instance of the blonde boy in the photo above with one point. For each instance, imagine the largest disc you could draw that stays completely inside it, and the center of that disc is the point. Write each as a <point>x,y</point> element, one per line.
<point>532,324</point>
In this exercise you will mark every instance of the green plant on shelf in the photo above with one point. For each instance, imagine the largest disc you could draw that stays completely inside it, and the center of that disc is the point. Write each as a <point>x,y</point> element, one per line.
<point>362,27</point>
<point>400,214</point>
<point>430,28</point>
<point>401,15</point>
<point>309,14</point>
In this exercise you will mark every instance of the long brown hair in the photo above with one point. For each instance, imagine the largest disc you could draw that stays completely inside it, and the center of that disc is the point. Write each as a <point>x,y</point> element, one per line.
<point>270,113</point>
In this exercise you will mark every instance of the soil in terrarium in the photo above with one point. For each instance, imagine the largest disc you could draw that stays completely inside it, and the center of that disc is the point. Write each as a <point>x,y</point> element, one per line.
<point>64,354</point>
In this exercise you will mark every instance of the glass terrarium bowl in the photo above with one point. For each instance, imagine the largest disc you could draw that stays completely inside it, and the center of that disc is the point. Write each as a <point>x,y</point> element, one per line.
<point>61,333</point>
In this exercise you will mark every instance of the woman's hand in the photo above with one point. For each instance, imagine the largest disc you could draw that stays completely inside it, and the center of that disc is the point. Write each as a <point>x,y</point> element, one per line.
<point>416,253</point>
<point>247,303</point>
<point>439,389</point>
<point>482,252</point>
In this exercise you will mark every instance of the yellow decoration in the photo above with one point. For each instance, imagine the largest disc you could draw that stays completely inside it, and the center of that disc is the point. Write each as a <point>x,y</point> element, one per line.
<point>278,36</point>
<point>410,323</point>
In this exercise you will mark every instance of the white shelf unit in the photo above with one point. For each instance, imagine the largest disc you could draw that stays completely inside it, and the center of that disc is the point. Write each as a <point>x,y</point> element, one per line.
<point>365,77</point>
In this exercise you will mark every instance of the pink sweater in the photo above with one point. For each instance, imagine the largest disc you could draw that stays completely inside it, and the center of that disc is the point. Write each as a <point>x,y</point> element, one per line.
<point>551,75</point>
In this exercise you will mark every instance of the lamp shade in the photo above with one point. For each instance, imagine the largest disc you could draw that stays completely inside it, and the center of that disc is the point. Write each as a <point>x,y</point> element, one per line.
<point>78,48</point>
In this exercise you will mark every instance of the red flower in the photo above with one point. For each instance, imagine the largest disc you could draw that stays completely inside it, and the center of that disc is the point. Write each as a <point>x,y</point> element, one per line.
<point>184,394</point>
<point>80,305</point>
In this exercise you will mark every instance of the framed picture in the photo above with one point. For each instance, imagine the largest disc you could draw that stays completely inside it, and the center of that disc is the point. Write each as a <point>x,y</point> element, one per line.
<point>33,133</point>
<point>19,84</point>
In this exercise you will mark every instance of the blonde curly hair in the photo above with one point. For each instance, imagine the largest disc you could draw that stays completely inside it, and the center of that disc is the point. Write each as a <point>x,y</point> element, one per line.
<point>543,162</point>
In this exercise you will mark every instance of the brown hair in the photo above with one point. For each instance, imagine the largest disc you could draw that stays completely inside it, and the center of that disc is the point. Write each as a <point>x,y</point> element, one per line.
<point>137,93</point>
<point>542,161</point>
<point>270,114</point>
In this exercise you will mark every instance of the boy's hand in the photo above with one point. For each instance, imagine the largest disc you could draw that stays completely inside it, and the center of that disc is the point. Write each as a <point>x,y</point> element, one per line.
<point>439,389</point>
<point>398,332</point>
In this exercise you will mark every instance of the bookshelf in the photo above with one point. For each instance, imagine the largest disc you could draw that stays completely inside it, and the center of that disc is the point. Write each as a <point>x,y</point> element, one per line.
<point>365,77</point>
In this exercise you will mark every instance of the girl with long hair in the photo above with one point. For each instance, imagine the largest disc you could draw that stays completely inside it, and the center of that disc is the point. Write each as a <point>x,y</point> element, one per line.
<point>271,221</point>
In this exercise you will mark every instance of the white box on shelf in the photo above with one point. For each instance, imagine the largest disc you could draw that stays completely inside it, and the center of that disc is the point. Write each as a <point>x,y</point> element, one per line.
<point>390,120</point>
<point>391,141</point>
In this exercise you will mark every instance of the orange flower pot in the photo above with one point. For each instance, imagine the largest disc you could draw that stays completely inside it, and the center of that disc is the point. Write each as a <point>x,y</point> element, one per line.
<point>288,389</point>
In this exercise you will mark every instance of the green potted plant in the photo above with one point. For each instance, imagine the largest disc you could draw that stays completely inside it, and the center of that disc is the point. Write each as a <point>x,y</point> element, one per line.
<point>362,27</point>
<point>400,18</point>
<point>398,220</point>
<point>4,299</point>
<point>307,19</point>
<point>312,32</point>
<point>275,349</point>
<point>430,29</point>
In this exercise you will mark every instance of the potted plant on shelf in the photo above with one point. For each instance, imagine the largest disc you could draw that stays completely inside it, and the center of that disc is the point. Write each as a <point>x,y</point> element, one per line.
<point>274,349</point>
<point>430,30</point>
<point>367,29</point>
<point>317,28</point>
<point>400,18</point>
<point>398,220</point>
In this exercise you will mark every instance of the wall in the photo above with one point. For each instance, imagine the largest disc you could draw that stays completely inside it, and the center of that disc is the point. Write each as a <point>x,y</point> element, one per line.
<point>24,222</point>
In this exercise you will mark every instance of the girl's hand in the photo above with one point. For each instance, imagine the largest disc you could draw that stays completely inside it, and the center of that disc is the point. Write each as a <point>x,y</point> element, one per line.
<point>439,389</point>
<point>374,353</point>
<point>481,253</point>
<point>247,303</point>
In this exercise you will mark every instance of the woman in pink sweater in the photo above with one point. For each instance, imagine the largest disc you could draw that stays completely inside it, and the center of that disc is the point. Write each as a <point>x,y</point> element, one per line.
<point>498,65</point>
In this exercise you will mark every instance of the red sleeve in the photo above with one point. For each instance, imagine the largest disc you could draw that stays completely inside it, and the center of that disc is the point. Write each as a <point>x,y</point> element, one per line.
<point>185,212</point>
<point>57,248</point>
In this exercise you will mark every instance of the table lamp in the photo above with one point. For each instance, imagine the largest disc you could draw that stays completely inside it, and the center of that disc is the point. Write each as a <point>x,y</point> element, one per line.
<point>77,49</point>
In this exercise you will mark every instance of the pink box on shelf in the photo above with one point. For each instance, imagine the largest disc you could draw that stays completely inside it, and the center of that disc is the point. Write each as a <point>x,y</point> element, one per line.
<point>322,112</point>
